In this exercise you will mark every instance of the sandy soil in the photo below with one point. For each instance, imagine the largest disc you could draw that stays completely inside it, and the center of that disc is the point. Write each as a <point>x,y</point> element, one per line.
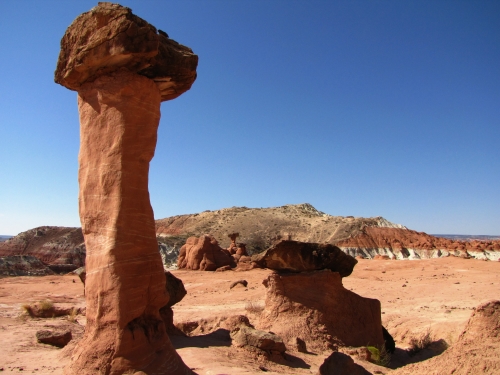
<point>435,294</point>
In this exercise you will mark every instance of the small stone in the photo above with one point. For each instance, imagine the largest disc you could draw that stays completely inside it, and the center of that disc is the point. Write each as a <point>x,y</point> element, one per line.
<point>242,282</point>
<point>55,338</point>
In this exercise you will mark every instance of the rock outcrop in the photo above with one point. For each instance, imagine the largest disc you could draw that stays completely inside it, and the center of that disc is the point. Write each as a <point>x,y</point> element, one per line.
<point>122,69</point>
<point>293,256</point>
<point>204,254</point>
<point>176,291</point>
<point>475,351</point>
<point>62,249</point>
<point>315,307</point>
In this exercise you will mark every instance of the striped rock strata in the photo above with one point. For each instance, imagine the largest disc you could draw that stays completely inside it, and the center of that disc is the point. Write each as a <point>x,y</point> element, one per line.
<point>122,69</point>
<point>397,243</point>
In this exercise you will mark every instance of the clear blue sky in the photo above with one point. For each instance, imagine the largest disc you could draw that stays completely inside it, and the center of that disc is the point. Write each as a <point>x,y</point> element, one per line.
<point>363,108</point>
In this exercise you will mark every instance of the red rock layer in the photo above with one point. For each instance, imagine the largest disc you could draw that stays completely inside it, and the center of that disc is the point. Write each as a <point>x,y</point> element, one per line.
<point>396,239</point>
<point>315,307</point>
<point>125,281</point>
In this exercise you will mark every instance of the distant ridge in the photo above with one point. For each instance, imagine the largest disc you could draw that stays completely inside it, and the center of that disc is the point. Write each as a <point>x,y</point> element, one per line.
<point>4,237</point>
<point>468,237</point>
<point>259,228</point>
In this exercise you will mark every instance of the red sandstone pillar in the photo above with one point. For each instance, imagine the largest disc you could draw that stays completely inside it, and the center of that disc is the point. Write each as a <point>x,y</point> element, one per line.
<point>122,70</point>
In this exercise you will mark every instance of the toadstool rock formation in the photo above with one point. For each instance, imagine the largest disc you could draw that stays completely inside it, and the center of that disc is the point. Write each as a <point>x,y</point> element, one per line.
<point>316,307</point>
<point>122,70</point>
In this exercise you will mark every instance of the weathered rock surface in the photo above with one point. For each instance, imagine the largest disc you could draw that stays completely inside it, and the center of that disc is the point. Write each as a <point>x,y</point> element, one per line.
<point>399,243</point>
<point>475,351</point>
<point>315,307</point>
<point>62,249</point>
<point>204,254</point>
<point>55,338</point>
<point>109,37</point>
<point>122,70</point>
<point>293,256</point>
<point>23,265</point>
<point>341,364</point>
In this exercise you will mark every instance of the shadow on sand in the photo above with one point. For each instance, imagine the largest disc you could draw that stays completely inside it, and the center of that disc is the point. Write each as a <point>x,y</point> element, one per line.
<point>221,338</point>
<point>402,357</point>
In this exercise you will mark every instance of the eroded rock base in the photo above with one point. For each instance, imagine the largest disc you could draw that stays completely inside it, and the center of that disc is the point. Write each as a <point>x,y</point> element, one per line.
<point>316,308</point>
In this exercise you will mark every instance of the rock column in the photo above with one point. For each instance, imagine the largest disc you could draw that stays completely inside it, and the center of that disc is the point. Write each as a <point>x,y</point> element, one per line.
<point>108,56</point>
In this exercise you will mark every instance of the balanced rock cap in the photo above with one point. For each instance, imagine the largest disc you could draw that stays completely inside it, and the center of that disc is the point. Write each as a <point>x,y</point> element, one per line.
<point>110,37</point>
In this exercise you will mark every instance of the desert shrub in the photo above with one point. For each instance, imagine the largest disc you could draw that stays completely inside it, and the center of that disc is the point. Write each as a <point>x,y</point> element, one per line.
<point>380,356</point>
<point>45,305</point>
<point>254,307</point>
<point>40,308</point>
<point>374,352</point>
<point>420,343</point>
<point>72,315</point>
<point>26,308</point>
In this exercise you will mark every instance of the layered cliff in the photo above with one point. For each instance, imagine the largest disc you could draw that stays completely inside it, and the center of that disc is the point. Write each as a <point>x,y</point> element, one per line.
<point>61,248</point>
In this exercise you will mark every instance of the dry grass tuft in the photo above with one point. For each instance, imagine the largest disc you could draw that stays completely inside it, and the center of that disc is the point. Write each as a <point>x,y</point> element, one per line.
<point>39,308</point>
<point>72,315</point>
<point>254,307</point>
<point>420,343</point>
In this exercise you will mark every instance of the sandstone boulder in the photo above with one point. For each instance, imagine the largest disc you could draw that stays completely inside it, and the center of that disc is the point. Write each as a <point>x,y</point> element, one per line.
<point>248,337</point>
<point>110,37</point>
<point>294,256</point>
<point>204,254</point>
<point>317,308</point>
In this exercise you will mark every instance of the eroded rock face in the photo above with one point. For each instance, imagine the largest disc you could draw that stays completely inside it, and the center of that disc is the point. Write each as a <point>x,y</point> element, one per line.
<point>315,307</point>
<point>204,254</point>
<point>122,70</point>
<point>294,256</point>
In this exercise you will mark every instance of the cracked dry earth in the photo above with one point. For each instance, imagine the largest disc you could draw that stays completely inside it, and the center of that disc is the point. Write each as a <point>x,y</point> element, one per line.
<point>438,295</point>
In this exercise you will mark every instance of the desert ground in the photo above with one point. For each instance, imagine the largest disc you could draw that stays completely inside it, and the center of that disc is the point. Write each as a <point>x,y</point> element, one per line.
<point>418,296</point>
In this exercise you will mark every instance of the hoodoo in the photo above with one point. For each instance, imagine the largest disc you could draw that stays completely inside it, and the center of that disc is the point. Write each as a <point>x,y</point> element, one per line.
<point>122,69</point>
